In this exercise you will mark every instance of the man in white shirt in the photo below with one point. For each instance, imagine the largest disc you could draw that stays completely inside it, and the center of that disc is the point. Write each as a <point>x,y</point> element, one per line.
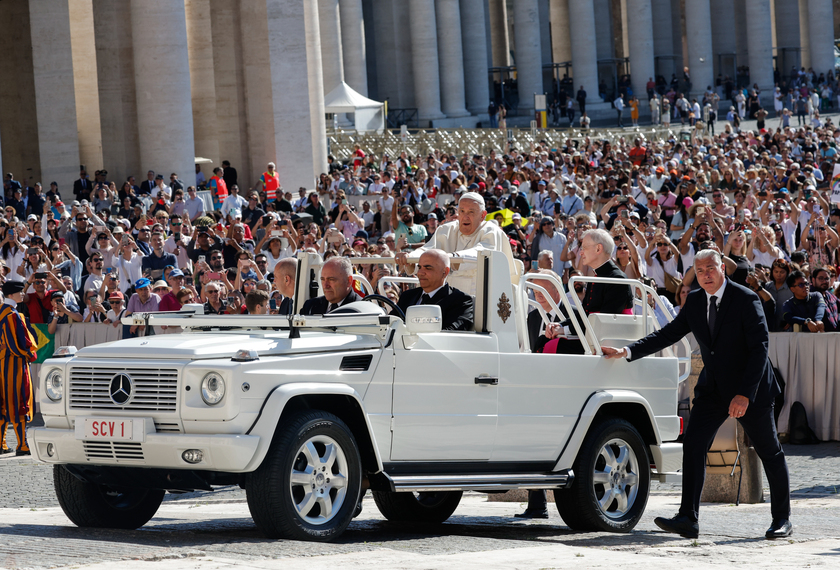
<point>619,107</point>
<point>233,202</point>
<point>302,202</point>
<point>194,205</point>
<point>386,205</point>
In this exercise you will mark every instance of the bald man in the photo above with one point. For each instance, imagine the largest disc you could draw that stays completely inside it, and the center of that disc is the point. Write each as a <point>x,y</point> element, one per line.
<point>464,238</point>
<point>337,284</point>
<point>285,273</point>
<point>456,307</point>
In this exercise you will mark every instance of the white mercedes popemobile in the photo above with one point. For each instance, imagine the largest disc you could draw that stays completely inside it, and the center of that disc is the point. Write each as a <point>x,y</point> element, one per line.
<point>305,413</point>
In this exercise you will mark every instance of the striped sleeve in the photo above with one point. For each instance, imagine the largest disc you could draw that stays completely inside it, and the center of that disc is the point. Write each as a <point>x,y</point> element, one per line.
<point>15,336</point>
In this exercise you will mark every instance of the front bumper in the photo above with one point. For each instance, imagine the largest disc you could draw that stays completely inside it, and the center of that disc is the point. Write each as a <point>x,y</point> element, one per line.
<point>228,453</point>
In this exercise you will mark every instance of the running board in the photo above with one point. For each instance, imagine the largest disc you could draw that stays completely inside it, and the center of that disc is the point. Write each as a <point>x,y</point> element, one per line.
<point>483,482</point>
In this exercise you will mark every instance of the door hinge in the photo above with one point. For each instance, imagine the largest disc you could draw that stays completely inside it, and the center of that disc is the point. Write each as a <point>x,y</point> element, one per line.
<point>392,424</point>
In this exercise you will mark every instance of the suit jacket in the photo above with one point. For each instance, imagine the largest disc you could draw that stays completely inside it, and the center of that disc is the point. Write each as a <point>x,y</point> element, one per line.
<point>456,307</point>
<point>147,187</point>
<point>82,193</point>
<point>534,322</point>
<point>608,298</point>
<point>734,354</point>
<point>319,305</point>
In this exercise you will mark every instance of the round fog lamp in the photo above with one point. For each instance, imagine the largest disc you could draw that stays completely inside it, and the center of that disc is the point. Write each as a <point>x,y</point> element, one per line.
<point>50,450</point>
<point>193,456</point>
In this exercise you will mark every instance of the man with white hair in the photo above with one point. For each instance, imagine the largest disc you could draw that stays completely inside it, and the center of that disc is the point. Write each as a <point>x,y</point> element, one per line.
<point>596,248</point>
<point>463,239</point>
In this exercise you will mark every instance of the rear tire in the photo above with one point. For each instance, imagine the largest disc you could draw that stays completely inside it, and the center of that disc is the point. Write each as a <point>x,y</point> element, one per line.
<point>612,480</point>
<point>308,485</point>
<point>101,506</point>
<point>424,507</point>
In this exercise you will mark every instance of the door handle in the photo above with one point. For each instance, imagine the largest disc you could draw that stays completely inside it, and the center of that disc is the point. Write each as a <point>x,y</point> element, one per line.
<point>486,380</point>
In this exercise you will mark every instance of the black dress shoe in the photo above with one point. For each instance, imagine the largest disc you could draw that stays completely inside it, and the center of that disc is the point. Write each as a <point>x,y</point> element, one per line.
<point>21,453</point>
<point>6,450</point>
<point>779,529</point>
<point>529,514</point>
<point>680,524</point>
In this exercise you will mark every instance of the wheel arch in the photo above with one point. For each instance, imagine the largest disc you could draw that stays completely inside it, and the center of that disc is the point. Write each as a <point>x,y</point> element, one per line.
<point>338,399</point>
<point>624,404</point>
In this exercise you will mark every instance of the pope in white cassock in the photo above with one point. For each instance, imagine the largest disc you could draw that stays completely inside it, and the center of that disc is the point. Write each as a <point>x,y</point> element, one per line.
<point>463,239</point>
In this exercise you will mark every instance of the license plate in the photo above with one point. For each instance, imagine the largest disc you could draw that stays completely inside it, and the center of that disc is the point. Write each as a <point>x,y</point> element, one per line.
<point>110,429</point>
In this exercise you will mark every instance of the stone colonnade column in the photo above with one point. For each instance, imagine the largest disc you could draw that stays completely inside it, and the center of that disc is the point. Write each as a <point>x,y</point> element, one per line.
<point>353,44</point>
<point>164,114</point>
<point>202,85</point>
<point>55,101</point>
<point>561,40</point>
<point>499,32</point>
<point>804,34</point>
<point>584,50</point>
<point>526,21</point>
<point>723,35</point>
<point>663,39</point>
<point>451,58</point>
<point>424,57</point>
<point>640,39</point>
<point>386,52</point>
<point>331,44</point>
<point>699,37</point>
<point>787,34</point>
<point>85,79</point>
<point>292,84</point>
<point>473,39</point>
<point>821,35</point>
<point>760,40</point>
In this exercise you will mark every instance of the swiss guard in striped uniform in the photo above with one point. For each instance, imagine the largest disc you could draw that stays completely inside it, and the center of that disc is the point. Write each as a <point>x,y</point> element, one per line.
<point>17,350</point>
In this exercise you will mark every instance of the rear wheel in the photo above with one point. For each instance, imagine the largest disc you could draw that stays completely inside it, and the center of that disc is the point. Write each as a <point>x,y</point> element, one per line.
<point>308,485</point>
<point>612,480</point>
<point>425,507</point>
<point>101,506</point>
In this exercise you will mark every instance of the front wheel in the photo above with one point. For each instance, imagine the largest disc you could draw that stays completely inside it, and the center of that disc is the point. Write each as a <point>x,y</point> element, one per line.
<point>424,507</point>
<point>101,506</point>
<point>308,485</point>
<point>612,480</point>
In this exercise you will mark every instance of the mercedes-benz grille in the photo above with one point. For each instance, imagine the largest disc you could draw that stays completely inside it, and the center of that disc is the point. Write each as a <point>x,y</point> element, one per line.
<point>113,388</point>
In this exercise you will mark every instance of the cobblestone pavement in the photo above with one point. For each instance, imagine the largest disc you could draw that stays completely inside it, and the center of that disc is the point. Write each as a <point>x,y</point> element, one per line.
<point>209,527</point>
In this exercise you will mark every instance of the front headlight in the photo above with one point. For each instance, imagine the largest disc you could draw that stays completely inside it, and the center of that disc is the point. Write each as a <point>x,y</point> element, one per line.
<point>54,385</point>
<point>212,389</point>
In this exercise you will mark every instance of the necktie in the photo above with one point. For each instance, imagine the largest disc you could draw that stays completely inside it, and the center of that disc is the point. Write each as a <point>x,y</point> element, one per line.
<point>713,309</point>
<point>425,299</point>
<point>332,307</point>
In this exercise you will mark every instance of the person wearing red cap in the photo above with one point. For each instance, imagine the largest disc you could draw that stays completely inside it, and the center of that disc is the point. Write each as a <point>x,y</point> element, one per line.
<point>117,301</point>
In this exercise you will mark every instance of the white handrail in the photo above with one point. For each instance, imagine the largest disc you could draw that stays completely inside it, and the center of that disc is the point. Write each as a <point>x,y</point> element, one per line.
<point>394,279</point>
<point>563,299</point>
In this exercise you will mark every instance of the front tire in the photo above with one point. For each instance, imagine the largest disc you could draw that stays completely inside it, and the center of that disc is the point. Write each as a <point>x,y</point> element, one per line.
<point>101,506</point>
<point>308,485</point>
<point>424,507</point>
<point>612,480</point>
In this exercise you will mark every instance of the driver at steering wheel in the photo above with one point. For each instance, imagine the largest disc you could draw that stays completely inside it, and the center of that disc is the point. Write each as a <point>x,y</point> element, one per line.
<point>455,305</point>
<point>337,284</point>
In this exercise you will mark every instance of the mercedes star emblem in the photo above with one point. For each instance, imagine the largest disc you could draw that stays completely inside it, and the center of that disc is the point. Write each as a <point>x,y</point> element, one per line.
<point>120,388</point>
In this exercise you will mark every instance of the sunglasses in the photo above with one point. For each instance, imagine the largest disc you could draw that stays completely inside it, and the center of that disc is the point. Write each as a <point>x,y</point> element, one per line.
<point>622,247</point>
<point>176,223</point>
<point>801,285</point>
<point>661,244</point>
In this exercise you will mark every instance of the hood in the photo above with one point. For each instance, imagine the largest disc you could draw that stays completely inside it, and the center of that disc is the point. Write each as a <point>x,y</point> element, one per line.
<point>194,346</point>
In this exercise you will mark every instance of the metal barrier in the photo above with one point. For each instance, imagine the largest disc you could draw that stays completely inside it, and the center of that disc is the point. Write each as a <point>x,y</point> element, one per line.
<point>459,141</point>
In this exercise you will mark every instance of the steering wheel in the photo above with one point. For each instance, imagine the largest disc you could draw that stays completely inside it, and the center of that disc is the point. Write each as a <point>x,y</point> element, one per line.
<point>388,302</point>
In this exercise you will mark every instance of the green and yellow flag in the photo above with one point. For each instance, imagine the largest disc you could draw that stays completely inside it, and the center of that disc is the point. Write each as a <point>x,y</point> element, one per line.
<point>46,342</point>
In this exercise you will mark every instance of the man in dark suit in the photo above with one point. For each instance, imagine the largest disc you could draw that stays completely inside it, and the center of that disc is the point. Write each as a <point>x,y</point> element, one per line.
<point>728,322</point>
<point>596,248</point>
<point>148,186</point>
<point>82,187</point>
<point>456,307</point>
<point>337,284</point>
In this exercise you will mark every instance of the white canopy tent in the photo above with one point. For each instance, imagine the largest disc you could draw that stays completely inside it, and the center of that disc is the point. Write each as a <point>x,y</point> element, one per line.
<point>369,114</point>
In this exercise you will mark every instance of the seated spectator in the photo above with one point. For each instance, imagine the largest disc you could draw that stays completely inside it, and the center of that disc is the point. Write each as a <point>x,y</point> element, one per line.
<point>804,311</point>
<point>820,283</point>
<point>456,306</point>
<point>337,284</point>
<point>257,302</point>
<point>142,301</point>
<point>117,310</point>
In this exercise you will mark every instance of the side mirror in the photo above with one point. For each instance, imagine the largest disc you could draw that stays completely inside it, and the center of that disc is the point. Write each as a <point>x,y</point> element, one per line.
<point>423,319</point>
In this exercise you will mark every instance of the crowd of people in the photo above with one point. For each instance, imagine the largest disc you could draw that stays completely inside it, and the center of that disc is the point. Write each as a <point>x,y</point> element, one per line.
<point>761,198</point>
